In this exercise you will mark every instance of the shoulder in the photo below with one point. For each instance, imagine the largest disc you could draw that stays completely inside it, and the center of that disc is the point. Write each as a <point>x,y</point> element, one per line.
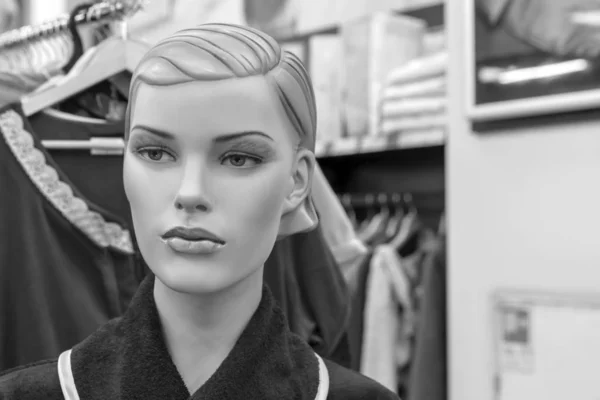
<point>39,380</point>
<point>345,384</point>
<point>31,382</point>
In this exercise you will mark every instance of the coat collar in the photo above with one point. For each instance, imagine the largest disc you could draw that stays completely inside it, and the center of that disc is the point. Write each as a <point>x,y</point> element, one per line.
<point>127,358</point>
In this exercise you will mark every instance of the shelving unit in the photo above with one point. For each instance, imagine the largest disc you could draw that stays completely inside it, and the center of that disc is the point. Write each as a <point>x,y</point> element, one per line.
<point>375,144</point>
<point>430,11</point>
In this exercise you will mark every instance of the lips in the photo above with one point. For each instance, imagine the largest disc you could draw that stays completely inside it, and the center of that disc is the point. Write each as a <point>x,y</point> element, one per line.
<point>192,234</point>
<point>192,241</point>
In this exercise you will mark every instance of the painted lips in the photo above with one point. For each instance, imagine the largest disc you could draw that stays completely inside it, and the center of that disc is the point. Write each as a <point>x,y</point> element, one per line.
<point>192,240</point>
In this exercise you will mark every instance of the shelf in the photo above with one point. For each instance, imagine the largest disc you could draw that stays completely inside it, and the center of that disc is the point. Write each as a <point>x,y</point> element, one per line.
<point>430,11</point>
<point>375,144</point>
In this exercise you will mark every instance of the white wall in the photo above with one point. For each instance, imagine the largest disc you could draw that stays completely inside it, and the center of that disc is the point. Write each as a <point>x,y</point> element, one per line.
<point>523,212</point>
<point>185,14</point>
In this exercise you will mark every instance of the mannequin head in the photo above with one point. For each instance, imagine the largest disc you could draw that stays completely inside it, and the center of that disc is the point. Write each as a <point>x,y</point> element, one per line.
<point>221,132</point>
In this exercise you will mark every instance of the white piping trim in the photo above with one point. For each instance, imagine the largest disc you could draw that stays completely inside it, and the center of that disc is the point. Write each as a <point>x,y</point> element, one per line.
<point>69,389</point>
<point>65,374</point>
<point>323,389</point>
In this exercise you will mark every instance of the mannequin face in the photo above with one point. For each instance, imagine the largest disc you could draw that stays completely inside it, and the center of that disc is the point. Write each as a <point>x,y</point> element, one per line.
<point>211,160</point>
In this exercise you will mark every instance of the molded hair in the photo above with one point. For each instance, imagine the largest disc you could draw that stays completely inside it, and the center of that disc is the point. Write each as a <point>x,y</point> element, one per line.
<point>214,51</point>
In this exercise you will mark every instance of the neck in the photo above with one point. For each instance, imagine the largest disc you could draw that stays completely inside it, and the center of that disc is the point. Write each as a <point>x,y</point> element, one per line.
<point>200,330</point>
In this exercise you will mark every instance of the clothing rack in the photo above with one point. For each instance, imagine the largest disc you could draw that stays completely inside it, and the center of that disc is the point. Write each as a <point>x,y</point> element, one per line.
<point>366,200</point>
<point>96,145</point>
<point>108,10</point>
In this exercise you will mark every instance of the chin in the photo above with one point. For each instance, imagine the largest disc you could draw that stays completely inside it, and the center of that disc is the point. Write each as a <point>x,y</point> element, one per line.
<point>192,277</point>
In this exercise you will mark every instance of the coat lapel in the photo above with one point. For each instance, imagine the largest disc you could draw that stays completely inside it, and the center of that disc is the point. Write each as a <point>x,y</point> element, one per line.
<point>127,358</point>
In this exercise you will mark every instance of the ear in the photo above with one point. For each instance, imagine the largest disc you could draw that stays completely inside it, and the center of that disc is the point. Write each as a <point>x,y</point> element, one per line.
<point>299,214</point>
<point>300,181</point>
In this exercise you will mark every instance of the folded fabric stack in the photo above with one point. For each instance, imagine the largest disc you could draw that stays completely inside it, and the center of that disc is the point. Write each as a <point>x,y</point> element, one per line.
<point>414,97</point>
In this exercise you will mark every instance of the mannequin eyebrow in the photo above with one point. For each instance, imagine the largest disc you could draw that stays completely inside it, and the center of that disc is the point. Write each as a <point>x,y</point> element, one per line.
<point>156,132</point>
<point>221,139</point>
<point>238,135</point>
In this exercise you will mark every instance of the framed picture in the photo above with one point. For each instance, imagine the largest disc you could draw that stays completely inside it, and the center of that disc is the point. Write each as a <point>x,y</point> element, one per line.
<point>531,57</point>
<point>546,345</point>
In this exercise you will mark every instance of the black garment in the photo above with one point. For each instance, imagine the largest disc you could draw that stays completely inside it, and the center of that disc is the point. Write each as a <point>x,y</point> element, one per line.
<point>428,374</point>
<point>356,325</point>
<point>309,286</point>
<point>66,263</point>
<point>93,175</point>
<point>128,359</point>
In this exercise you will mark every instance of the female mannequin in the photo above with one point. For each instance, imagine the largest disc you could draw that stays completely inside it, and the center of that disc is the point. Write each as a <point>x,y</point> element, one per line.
<point>218,166</point>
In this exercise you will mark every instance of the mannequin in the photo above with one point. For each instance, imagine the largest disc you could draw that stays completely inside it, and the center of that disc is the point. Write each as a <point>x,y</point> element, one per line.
<point>218,166</point>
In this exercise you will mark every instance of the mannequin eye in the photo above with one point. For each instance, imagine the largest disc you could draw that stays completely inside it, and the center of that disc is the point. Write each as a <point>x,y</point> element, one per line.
<point>155,154</point>
<point>241,160</point>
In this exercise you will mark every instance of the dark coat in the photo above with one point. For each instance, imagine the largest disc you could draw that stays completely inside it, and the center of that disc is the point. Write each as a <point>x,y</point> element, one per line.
<point>128,359</point>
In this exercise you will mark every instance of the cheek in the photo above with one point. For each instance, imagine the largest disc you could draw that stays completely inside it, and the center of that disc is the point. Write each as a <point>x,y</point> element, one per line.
<point>142,187</point>
<point>258,201</point>
<point>132,183</point>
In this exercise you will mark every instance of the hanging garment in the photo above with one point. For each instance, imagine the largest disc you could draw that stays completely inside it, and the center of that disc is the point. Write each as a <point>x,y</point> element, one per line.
<point>64,260</point>
<point>388,318</point>
<point>127,358</point>
<point>357,286</point>
<point>93,175</point>
<point>338,231</point>
<point>428,374</point>
<point>308,284</point>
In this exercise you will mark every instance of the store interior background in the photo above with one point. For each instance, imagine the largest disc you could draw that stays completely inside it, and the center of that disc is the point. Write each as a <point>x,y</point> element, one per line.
<point>522,203</point>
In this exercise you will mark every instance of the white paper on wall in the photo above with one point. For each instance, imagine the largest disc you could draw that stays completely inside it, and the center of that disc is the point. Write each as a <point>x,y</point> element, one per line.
<point>547,346</point>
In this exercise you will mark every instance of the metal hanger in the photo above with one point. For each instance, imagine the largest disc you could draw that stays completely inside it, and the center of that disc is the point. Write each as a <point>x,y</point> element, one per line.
<point>346,201</point>
<point>409,226</point>
<point>395,220</point>
<point>378,220</point>
<point>96,145</point>
<point>383,217</point>
<point>77,42</point>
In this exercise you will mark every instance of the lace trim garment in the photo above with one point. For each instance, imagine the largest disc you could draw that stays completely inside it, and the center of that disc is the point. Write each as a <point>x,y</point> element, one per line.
<point>58,193</point>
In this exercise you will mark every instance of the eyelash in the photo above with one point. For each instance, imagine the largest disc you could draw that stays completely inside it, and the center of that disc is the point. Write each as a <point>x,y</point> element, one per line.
<point>257,160</point>
<point>144,151</point>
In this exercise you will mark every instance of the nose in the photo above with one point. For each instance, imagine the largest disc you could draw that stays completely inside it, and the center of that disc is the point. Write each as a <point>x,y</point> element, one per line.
<point>192,193</point>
